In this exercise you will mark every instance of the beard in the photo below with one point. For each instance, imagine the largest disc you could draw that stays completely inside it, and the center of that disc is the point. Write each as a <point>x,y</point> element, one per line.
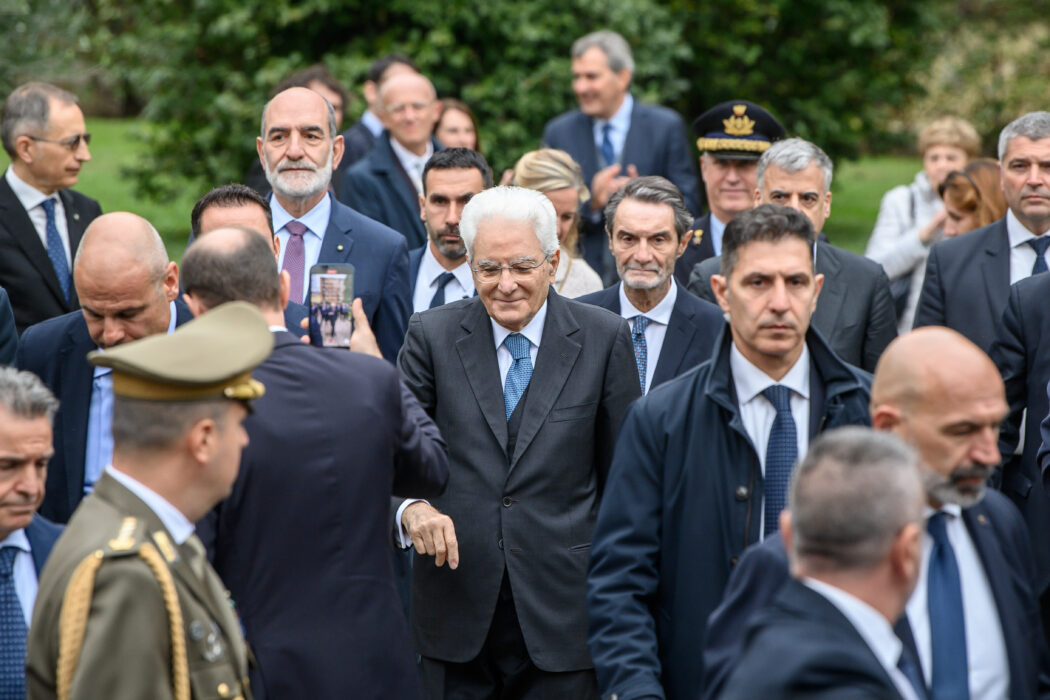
<point>453,250</point>
<point>299,185</point>
<point>662,275</point>
<point>953,489</point>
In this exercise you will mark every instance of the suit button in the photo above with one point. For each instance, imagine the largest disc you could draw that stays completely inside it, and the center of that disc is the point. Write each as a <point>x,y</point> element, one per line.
<point>500,543</point>
<point>741,493</point>
<point>506,501</point>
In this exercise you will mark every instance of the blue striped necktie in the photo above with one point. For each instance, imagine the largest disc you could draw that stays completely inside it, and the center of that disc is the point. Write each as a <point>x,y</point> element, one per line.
<point>781,453</point>
<point>608,152</point>
<point>12,631</point>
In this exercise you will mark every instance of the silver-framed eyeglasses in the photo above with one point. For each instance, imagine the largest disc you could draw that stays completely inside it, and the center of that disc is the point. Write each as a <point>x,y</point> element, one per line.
<point>490,274</point>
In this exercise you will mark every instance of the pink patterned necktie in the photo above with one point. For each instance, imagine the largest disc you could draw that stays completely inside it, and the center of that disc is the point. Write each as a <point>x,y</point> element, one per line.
<point>295,259</point>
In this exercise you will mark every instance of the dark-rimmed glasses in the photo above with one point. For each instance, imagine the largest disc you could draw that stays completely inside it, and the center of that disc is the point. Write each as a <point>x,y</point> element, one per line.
<point>72,143</point>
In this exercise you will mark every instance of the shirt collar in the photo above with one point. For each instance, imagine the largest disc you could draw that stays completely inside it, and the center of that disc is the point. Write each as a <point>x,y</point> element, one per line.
<point>174,521</point>
<point>621,121</point>
<point>408,158</point>
<point>869,622</point>
<point>533,331</point>
<point>952,509</point>
<point>431,269</point>
<point>17,539</point>
<point>661,313</point>
<point>1017,233</point>
<point>28,195</point>
<point>372,123</point>
<point>172,318</point>
<point>750,381</point>
<point>316,220</point>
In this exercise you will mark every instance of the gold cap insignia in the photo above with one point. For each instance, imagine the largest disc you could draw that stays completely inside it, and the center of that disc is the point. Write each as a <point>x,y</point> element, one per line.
<point>739,124</point>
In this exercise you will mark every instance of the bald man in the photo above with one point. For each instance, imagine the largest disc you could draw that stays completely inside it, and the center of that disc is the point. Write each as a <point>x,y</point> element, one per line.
<point>386,184</point>
<point>976,634</point>
<point>127,289</point>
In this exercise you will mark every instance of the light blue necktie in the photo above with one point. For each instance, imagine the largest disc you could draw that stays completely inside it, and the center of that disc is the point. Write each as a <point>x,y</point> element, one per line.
<point>608,152</point>
<point>55,250</point>
<point>781,453</point>
<point>12,631</point>
<point>1039,245</point>
<point>520,372</point>
<point>947,618</point>
<point>641,350</point>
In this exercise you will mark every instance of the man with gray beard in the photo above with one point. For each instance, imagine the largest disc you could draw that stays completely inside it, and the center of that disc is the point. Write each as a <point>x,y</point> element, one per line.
<point>438,270</point>
<point>298,146</point>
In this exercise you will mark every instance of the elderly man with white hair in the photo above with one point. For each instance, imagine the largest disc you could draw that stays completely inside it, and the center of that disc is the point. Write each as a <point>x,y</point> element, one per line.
<point>528,456</point>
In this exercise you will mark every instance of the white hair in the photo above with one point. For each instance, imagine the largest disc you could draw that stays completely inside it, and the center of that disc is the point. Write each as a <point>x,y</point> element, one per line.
<point>511,204</point>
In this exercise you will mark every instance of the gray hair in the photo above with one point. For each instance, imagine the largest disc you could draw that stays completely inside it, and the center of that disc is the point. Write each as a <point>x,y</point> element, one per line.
<point>23,395</point>
<point>143,425</point>
<point>1034,126</point>
<point>513,204</point>
<point>332,125</point>
<point>616,49</point>
<point>851,496</point>
<point>28,109</point>
<point>792,155</point>
<point>654,190</point>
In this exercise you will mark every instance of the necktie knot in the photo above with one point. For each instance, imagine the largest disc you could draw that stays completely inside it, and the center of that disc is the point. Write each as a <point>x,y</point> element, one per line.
<point>296,228</point>
<point>518,345</point>
<point>780,396</point>
<point>1039,244</point>
<point>936,525</point>
<point>640,323</point>
<point>7,561</point>
<point>49,208</point>
<point>444,278</point>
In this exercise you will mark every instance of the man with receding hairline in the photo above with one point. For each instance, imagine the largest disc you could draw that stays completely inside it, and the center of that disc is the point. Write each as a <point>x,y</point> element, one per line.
<point>127,289</point>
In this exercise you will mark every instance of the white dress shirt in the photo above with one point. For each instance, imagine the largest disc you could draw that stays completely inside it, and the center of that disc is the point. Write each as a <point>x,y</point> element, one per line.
<point>460,287</point>
<point>717,229</point>
<point>31,199</point>
<point>412,163</point>
<point>171,517</point>
<point>533,331</point>
<point>873,628</point>
<point>659,316</point>
<point>621,124</point>
<point>1022,255</point>
<point>757,412</point>
<point>985,645</point>
<point>316,223</point>
<point>23,572</point>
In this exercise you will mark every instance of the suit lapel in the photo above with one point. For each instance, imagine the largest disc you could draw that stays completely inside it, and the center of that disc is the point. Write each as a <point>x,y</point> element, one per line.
<point>832,294</point>
<point>677,340</point>
<point>554,361</point>
<point>583,133</point>
<point>634,145</point>
<point>387,167</point>
<point>78,377</point>
<point>996,270</point>
<point>16,220</point>
<point>476,350</point>
<point>337,242</point>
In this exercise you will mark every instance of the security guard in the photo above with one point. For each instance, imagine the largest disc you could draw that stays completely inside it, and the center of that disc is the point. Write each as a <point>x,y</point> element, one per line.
<point>730,137</point>
<point>128,606</point>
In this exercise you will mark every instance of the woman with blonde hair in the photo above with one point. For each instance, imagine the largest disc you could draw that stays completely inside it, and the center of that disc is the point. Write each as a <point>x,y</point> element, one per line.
<point>557,175</point>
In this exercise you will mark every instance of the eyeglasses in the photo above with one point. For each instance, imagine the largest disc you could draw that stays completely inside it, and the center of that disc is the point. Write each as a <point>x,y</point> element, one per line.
<point>520,272</point>
<point>72,143</point>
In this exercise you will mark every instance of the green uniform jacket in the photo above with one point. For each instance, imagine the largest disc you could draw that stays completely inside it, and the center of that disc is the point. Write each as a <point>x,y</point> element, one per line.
<point>128,643</point>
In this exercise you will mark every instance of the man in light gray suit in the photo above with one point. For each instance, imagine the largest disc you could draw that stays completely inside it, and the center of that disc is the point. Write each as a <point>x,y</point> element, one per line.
<point>855,313</point>
<point>528,457</point>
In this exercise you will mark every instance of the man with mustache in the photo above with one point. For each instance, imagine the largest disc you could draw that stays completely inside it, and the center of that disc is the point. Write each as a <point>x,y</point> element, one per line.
<point>298,146</point>
<point>702,464</point>
<point>939,392</point>
<point>672,330</point>
<point>438,269</point>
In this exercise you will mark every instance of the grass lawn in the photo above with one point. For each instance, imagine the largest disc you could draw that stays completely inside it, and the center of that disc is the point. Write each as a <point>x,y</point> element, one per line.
<point>857,189</point>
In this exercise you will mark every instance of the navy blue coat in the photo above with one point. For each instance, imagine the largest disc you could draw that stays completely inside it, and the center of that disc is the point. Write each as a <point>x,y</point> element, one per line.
<point>699,249</point>
<point>683,500</point>
<point>56,351</point>
<point>42,535</point>
<point>691,333</point>
<point>967,283</point>
<point>377,187</point>
<point>998,535</point>
<point>803,646</point>
<point>303,540</point>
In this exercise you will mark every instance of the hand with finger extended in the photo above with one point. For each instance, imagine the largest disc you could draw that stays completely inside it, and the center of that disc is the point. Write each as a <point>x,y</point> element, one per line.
<point>432,533</point>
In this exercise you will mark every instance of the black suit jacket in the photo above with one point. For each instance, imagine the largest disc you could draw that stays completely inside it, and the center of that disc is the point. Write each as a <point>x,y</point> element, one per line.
<point>357,142</point>
<point>998,534</point>
<point>42,535</point>
<point>691,333</point>
<point>700,248</point>
<point>529,513</point>
<point>309,566</point>
<point>25,269</point>
<point>56,351</point>
<point>855,311</point>
<point>967,283</point>
<point>802,646</point>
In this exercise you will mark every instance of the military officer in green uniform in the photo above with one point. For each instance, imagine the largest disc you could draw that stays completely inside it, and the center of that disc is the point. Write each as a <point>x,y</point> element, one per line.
<point>128,606</point>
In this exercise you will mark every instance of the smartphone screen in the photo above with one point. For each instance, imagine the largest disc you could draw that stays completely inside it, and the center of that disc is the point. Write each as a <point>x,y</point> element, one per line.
<point>331,295</point>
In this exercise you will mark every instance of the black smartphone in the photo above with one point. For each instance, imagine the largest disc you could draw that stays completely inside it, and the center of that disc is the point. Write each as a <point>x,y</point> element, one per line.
<point>331,295</point>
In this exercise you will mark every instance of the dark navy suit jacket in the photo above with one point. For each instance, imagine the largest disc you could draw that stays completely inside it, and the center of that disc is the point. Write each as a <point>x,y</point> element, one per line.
<point>691,333</point>
<point>1002,544</point>
<point>42,535</point>
<point>699,249</point>
<point>56,351</point>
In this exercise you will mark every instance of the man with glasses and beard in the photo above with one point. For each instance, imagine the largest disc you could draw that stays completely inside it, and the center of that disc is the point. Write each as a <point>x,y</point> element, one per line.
<point>972,622</point>
<point>298,147</point>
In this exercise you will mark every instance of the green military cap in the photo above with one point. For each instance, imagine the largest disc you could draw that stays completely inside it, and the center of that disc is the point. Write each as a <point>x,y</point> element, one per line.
<point>212,356</point>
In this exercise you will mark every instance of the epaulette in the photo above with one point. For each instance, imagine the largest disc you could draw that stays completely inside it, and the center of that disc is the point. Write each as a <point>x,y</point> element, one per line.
<point>130,540</point>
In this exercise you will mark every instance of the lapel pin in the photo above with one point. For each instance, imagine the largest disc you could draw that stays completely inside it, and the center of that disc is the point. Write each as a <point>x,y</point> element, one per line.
<point>76,216</point>
<point>981,519</point>
<point>339,248</point>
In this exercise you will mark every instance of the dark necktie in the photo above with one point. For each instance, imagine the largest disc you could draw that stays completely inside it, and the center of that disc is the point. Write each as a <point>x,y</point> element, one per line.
<point>641,351</point>
<point>1039,245</point>
<point>947,621</point>
<point>520,372</point>
<point>906,665</point>
<point>57,252</point>
<point>439,296</point>
<point>781,452</point>
<point>608,153</point>
<point>12,631</point>
<point>295,259</point>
